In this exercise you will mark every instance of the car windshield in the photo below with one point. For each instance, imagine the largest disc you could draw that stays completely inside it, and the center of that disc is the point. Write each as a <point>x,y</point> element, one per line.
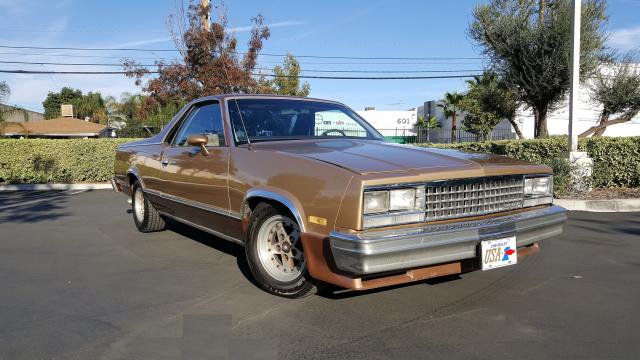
<point>287,119</point>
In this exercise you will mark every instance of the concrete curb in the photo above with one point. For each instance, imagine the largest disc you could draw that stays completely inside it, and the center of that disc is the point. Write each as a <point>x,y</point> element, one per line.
<point>42,187</point>
<point>609,205</point>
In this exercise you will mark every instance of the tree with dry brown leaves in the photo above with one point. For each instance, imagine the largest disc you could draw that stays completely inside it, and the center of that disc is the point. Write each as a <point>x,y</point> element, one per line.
<point>211,63</point>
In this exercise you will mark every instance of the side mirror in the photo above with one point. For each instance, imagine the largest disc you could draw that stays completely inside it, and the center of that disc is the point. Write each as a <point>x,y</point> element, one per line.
<point>199,140</point>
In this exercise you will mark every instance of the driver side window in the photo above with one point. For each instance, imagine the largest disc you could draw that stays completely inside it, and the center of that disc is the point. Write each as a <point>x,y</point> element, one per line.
<point>204,120</point>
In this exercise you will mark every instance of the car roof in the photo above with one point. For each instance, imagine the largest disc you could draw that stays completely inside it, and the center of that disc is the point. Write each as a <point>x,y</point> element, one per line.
<point>261,96</point>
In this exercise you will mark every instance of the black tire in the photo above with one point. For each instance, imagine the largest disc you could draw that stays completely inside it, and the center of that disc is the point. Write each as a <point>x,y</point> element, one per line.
<point>149,220</point>
<point>299,287</point>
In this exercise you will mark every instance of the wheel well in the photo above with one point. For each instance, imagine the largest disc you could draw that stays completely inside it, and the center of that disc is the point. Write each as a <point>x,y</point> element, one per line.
<point>132,178</point>
<point>254,201</point>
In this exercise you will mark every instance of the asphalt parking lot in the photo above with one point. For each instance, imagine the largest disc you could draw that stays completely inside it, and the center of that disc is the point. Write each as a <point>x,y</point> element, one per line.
<point>79,282</point>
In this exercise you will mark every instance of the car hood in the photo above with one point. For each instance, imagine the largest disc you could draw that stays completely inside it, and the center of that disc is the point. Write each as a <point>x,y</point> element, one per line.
<point>372,156</point>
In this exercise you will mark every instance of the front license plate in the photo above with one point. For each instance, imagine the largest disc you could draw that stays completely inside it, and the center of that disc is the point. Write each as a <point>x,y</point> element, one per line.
<point>498,253</point>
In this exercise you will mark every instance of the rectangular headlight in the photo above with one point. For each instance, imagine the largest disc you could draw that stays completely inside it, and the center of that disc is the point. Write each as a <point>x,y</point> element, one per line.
<point>538,190</point>
<point>393,206</point>
<point>376,202</point>
<point>402,199</point>
<point>538,186</point>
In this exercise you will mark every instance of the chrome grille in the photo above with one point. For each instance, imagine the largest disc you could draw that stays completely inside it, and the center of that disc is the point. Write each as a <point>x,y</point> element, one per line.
<point>469,197</point>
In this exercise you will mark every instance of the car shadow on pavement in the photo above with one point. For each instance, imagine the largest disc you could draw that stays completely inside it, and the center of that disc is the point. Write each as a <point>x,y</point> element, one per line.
<point>325,290</point>
<point>335,293</point>
<point>29,207</point>
<point>213,242</point>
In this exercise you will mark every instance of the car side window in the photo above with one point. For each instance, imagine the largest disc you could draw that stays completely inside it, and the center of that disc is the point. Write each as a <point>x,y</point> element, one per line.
<point>204,120</point>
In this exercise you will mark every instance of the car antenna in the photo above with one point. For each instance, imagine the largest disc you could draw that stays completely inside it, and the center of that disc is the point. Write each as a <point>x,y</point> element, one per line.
<point>235,100</point>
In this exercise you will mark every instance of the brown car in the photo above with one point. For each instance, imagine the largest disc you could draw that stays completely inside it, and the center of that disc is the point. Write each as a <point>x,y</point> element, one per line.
<point>315,195</point>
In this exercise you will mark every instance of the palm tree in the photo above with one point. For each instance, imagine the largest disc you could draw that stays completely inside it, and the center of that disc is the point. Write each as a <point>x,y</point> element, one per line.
<point>496,96</point>
<point>123,110</point>
<point>450,106</point>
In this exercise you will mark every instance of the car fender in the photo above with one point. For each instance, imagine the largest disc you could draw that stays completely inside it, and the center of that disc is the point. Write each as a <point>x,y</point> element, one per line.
<point>281,196</point>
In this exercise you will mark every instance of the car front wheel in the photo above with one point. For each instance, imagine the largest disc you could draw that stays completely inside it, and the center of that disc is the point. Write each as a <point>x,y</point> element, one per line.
<point>145,216</point>
<point>275,254</point>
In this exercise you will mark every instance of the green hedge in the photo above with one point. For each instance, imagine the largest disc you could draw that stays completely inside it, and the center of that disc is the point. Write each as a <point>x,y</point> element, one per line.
<point>57,160</point>
<point>616,160</point>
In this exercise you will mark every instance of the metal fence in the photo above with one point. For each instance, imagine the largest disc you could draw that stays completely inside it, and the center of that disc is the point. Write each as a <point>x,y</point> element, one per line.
<point>442,136</point>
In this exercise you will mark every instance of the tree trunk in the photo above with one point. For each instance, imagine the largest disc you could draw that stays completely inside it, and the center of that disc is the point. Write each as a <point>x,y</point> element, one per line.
<point>603,120</point>
<point>516,128</point>
<point>602,126</point>
<point>453,128</point>
<point>540,115</point>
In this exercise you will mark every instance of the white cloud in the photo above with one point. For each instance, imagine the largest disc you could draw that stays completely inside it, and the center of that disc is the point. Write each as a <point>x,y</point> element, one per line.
<point>29,90</point>
<point>625,39</point>
<point>235,29</point>
<point>271,26</point>
<point>143,42</point>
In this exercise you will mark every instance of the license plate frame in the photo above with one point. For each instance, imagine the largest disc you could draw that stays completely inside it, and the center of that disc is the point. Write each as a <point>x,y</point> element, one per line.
<point>497,253</point>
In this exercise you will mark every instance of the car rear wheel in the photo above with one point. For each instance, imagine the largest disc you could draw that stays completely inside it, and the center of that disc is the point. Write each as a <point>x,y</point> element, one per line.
<point>145,216</point>
<point>275,254</point>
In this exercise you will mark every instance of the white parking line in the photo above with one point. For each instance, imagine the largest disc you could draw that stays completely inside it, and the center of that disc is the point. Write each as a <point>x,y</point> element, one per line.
<point>43,198</point>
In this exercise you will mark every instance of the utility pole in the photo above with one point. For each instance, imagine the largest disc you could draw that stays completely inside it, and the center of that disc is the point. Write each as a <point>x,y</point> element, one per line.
<point>205,18</point>
<point>541,7</point>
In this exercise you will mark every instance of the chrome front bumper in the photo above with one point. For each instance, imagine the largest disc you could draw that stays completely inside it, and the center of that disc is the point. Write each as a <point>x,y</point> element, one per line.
<point>378,251</point>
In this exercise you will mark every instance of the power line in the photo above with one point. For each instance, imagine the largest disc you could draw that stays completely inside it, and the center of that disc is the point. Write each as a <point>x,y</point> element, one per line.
<point>261,54</point>
<point>266,69</point>
<point>375,58</point>
<point>268,75</point>
<point>66,64</point>
<point>86,30</point>
<point>385,71</point>
<point>415,62</point>
<point>83,49</point>
<point>81,56</point>
<point>382,77</point>
<point>67,72</point>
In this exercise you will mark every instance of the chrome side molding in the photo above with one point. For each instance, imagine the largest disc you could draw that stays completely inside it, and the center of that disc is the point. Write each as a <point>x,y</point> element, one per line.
<point>195,204</point>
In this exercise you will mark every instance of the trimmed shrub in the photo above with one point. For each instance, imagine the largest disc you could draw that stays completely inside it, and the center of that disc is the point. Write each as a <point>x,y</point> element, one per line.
<point>616,160</point>
<point>57,160</point>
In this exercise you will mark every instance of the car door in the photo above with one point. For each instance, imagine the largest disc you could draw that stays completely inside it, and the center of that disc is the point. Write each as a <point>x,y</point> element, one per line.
<point>194,183</point>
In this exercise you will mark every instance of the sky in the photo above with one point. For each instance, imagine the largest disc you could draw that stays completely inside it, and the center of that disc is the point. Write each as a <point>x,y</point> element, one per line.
<point>366,28</point>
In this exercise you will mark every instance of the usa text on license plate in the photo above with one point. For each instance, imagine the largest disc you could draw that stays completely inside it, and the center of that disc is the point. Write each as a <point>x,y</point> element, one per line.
<point>498,253</point>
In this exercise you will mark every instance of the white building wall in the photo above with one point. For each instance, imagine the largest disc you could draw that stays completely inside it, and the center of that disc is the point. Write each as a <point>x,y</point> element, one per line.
<point>558,120</point>
<point>390,120</point>
<point>587,116</point>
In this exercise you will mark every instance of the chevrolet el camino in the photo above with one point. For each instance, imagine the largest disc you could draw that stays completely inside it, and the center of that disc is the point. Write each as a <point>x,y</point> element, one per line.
<point>315,195</point>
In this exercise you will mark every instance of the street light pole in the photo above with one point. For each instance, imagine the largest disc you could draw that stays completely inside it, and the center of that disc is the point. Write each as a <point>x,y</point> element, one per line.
<point>581,164</point>
<point>575,74</point>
